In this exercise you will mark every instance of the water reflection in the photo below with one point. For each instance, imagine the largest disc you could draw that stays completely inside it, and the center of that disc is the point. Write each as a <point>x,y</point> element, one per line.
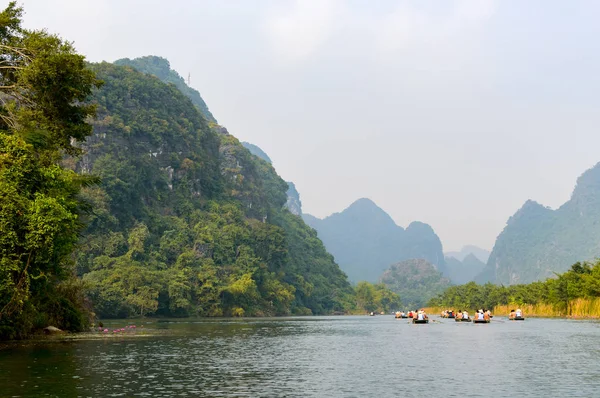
<point>317,356</point>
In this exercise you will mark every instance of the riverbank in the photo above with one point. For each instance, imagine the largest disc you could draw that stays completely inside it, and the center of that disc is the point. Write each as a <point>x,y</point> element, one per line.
<point>576,309</point>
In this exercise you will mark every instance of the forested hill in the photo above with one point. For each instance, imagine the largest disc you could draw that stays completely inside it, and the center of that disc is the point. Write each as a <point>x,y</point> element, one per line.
<point>365,240</point>
<point>186,221</point>
<point>161,68</point>
<point>416,281</point>
<point>538,241</point>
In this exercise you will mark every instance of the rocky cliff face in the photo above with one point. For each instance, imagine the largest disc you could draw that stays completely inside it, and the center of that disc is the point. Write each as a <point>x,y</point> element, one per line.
<point>365,240</point>
<point>292,203</point>
<point>538,241</point>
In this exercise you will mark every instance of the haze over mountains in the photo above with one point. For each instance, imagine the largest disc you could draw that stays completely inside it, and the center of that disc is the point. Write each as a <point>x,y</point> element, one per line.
<point>538,241</point>
<point>478,252</point>
<point>365,241</point>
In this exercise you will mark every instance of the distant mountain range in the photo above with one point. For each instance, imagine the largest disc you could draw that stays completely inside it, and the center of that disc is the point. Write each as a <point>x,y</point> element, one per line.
<point>464,271</point>
<point>364,240</point>
<point>478,252</point>
<point>463,266</point>
<point>538,241</point>
<point>416,281</point>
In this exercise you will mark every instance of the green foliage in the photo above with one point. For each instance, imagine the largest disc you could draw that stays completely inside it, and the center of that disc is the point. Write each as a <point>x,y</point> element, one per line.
<point>581,281</point>
<point>376,298</point>
<point>416,281</point>
<point>43,82</point>
<point>186,220</point>
<point>161,68</point>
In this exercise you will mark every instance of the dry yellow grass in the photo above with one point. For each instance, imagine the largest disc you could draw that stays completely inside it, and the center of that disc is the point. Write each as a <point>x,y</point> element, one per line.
<point>580,308</point>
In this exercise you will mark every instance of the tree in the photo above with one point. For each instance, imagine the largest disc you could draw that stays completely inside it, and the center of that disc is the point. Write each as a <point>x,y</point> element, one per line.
<point>43,84</point>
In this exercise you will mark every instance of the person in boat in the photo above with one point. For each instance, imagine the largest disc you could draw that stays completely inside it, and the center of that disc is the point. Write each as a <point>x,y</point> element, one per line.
<point>459,314</point>
<point>512,314</point>
<point>479,315</point>
<point>421,315</point>
<point>518,313</point>
<point>465,314</point>
<point>488,313</point>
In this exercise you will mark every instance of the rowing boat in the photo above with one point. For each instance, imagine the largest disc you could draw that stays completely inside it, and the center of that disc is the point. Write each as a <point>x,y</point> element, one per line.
<point>481,321</point>
<point>463,320</point>
<point>420,320</point>
<point>517,319</point>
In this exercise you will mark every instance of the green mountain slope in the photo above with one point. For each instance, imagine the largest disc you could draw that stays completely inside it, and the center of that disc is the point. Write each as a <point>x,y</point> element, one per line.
<point>538,241</point>
<point>416,281</point>
<point>364,240</point>
<point>186,220</point>
<point>161,68</point>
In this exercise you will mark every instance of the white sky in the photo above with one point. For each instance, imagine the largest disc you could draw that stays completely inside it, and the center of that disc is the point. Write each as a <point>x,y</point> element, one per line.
<point>448,112</point>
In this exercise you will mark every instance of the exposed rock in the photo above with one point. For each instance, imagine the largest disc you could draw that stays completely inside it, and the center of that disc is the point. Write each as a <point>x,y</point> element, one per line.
<point>52,330</point>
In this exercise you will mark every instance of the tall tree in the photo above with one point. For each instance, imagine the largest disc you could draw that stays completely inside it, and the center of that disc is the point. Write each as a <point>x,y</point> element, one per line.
<point>43,83</point>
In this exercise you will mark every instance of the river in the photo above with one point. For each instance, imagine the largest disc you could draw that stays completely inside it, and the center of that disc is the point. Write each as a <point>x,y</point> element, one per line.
<point>346,356</point>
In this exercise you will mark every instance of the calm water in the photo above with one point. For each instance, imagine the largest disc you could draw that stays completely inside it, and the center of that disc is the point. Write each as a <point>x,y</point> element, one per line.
<point>316,357</point>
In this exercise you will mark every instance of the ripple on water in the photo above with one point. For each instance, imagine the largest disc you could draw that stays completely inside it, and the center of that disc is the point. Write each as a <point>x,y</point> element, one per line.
<point>317,357</point>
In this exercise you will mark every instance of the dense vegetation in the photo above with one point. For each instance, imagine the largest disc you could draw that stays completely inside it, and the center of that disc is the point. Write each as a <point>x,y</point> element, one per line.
<point>365,240</point>
<point>538,241</point>
<point>43,84</point>
<point>376,298</point>
<point>161,68</point>
<point>582,281</point>
<point>187,221</point>
<point>415,281</point>
<point>156,209</point>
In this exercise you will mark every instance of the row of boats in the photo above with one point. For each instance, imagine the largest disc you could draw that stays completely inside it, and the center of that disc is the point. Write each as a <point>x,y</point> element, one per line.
<point>481,316</point>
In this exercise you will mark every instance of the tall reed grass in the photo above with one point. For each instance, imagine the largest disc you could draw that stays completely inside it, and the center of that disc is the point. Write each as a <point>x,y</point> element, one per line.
<point>578,308</point>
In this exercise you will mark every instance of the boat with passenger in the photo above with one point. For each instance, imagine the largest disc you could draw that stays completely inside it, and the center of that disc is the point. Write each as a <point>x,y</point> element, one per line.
<point>462,316</point>
<point>420,317</point>
<point>516,315</point>
<point>481,317</point>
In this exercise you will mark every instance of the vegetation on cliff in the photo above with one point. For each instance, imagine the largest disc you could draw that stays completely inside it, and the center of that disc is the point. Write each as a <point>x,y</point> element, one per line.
<point>188,222</point>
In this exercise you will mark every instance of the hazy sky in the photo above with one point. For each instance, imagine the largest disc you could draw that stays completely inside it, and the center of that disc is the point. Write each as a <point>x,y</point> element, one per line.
<point>448,112</point>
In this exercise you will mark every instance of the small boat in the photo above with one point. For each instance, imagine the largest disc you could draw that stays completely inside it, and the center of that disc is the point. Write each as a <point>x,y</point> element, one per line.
<point>481,321</point>
<point>415,320</point>
<point>463,320</point>
<point>516,319</point>
<point>404,317</point>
